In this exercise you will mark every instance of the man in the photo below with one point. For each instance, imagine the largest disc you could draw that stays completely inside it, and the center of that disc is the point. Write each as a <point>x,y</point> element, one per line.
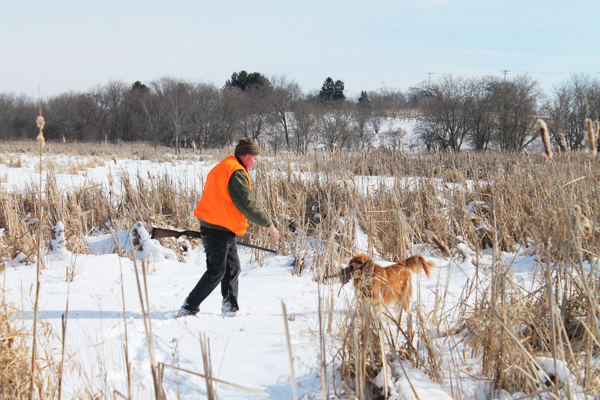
<point>226,205</point>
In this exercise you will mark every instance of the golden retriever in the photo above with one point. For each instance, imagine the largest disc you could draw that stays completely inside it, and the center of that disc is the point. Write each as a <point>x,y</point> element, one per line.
<point>387,285</point>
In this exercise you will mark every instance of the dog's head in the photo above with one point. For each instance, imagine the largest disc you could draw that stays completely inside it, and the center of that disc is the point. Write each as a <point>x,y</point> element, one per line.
<point>359,265</point>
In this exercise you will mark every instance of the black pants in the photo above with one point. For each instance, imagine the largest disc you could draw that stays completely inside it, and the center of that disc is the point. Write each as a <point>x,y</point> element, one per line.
<point>222,266</point>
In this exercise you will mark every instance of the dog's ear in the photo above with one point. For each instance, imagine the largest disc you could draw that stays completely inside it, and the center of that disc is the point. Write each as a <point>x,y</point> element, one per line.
<point>368,266</point>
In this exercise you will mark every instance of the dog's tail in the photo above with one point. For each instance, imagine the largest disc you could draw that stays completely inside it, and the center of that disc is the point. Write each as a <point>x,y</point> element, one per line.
<point>418,262</point>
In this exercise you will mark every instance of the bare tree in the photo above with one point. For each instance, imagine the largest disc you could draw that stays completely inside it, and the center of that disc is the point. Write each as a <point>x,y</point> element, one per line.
<point>443,120</point>
<point>304,126</point>
<point>175,102</point>
<point>63,116</point>
<point>251,108</point>
<point>17,116</point>
<point>212,121</point>
<point>479,113</point>
<point>567,108</point>
<point>516,105</point>
<point>111,117</point>
<point>335,123</point>
<point>283,97</point>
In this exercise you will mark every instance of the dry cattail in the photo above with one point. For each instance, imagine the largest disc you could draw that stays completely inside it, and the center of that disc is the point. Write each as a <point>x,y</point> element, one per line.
<point>583,224</point>
<point>564,141</point>
<point>111,180</point>
<point>545,138</point>
<point>40,123</point>
<point>526,152</point>
<point>400,140</point>
<point>436,150</point>
<point>434,239</point>
<point>597,129</point>
<point>591,137</point>
<point>41,139</point>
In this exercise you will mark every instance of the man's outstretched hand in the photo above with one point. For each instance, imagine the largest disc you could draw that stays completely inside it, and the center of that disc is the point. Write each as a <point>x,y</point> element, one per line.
<point>274,233</point>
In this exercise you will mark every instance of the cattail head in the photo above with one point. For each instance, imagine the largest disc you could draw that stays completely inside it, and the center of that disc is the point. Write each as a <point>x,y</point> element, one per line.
<point>545,138</point>
<point>564,141</point>
<point>583,224</point>
<point>591,137</point>
<point>400,140</point>
<point>40,123</point>
<point>111,180</point>
<point>41,140</point>
<point>436,149</point>
<point>526,152</point>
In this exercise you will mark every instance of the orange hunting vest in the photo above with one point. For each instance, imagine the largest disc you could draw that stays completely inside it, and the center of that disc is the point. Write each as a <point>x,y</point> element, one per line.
<point>215,205</point>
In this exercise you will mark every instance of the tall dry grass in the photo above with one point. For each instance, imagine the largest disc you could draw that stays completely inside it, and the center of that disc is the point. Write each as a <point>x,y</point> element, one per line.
<point>499,202</point>
<point>15,359</point>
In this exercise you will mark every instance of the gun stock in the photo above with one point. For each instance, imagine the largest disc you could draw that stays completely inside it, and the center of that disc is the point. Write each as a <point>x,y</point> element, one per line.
<point>158,233</point>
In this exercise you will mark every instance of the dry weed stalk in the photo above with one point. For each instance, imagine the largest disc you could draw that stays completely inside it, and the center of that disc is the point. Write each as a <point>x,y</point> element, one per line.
<point>583,223</point>
<point>591,137</point>
<point>545,139</point>
<point>41,141</point>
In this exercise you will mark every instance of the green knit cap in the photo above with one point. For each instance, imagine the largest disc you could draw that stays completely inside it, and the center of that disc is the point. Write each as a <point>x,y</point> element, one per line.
<point>246,146</point>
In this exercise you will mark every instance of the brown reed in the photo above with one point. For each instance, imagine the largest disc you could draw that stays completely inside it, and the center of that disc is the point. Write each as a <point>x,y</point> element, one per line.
<point>591,137</point>
<point>545,138</point>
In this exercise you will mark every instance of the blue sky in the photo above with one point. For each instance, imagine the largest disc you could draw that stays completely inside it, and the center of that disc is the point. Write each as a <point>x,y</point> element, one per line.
<point>76,45</point>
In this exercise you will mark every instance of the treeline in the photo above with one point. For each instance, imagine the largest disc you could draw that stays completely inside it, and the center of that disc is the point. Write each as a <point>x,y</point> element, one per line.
<point>450,112</point>
<point>489,112</point>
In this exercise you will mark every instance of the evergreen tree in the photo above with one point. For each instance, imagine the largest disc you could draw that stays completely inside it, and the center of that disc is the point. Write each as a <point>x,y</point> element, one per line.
<point>139,86</point>
<point>364,100</point>
<point>245,81</point>
<point>332,91</point>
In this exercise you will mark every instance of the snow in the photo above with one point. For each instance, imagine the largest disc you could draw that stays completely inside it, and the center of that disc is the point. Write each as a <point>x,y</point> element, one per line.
<point>99,295</point>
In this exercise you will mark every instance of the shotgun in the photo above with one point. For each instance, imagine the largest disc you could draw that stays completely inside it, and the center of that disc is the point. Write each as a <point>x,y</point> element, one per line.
<point>158,233</point>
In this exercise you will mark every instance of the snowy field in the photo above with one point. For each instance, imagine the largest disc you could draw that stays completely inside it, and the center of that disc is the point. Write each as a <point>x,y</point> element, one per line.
<point>105,312</point>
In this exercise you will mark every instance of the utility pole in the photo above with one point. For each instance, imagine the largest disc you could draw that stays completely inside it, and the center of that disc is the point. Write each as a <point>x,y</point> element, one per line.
<point>505,71</point>
<point>430,73</point>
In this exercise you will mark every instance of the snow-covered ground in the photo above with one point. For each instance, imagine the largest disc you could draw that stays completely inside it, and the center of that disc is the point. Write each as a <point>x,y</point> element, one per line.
<point>105,311</point>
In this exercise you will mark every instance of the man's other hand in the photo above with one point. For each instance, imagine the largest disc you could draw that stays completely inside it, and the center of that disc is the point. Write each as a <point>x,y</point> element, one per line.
<point>274,233</point>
